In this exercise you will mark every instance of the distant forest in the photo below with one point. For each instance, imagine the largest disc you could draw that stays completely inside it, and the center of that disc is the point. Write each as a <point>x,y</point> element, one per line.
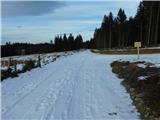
<point>120,32</point>
<point>114,32</point>
<point>61,43</point>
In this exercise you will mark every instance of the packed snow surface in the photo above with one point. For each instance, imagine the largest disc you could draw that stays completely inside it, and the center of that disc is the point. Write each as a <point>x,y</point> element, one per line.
<point>78,87</point>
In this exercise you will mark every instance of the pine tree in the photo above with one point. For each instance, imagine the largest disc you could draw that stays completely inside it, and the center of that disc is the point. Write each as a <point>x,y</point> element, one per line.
<point>110,22</point>
<point>121,20</point>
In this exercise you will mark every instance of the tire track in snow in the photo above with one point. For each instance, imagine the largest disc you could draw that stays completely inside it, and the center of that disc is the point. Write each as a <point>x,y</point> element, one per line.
<point>89,107</point>
<point>27,94</point>
<point>57,91</point>
<point>7,109</point>
<point>72,72</point>
<point>72,82</point>
<point>73,90</point>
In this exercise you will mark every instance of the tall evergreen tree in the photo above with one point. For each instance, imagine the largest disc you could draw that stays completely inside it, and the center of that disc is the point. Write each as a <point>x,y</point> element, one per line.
<point>110,22</point>
<point>120,32</point>
<point>121,20</point>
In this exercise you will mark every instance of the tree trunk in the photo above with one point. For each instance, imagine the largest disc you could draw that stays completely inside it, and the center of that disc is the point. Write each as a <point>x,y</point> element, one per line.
<point>149,29</point>
<point>157,25</point>
<point>99,40</point>
<point>127,37</point>
<point>141,33</point>
<point>110,37</point>
<point>119,38</point>
<point>123,39</point>
<point>104,39</point>
<point>15,66</point>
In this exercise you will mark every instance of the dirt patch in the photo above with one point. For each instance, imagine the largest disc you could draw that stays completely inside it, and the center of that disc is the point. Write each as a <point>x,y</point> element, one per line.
<point>127,51</point>
<point>142,81</point>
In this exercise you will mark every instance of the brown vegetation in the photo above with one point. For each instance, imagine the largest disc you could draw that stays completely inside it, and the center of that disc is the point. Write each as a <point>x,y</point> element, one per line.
<point>144,92</point>
<point>127,51</point>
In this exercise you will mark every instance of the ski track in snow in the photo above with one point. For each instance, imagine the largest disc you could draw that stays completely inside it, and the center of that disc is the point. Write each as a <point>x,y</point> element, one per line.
<point>78,87</point>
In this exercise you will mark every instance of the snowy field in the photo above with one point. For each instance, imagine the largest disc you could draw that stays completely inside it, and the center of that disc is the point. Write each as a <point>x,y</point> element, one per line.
<point>78,87</point>
<point>45,59</point>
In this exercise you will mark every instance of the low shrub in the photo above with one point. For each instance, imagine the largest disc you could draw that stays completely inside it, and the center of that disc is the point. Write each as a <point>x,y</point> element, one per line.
<point>8,73</point>
<point>28,65</point>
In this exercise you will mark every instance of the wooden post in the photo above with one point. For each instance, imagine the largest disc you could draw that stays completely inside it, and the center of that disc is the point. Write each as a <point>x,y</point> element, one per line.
<point>137,45</point>
<point>15,66</point>
<point>9,62</point>
<point>39,61</point>
<point>138,52</point>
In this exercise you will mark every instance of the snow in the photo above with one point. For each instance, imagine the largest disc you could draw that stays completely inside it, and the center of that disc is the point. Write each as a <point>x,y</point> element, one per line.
<point>45,59</point>
<point>142,77</point>
<point>141,65</point>
<point>151,48</point>
<point>152,58</point>
<point>19,66</point>
<point>156,65</point>
<point>81,86</point>
<point>35,56</point>
<point>4,67</point>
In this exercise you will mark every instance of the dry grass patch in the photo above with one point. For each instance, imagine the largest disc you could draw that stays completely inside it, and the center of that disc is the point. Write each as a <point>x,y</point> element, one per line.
<point>143,84</point>
<point>127,51</point>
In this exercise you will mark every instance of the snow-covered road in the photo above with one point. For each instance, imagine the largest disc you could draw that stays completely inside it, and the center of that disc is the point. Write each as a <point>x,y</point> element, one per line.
<point>77,87</point>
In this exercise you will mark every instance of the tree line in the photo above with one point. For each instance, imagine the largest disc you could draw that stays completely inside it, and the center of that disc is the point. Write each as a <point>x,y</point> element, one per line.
<point>120,32</point>
<point>114,32</point>
<point>12,49</point>
<point>64,43</point>
<point>61,43</point>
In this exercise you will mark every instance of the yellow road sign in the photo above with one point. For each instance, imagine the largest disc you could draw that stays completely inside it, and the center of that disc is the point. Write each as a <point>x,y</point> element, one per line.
<point>137,44</point>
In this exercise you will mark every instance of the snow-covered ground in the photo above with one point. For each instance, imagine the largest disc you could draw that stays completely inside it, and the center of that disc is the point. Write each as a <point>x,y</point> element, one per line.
<point>35,56</point>
<point>78,87</point>
<point>45,59</point>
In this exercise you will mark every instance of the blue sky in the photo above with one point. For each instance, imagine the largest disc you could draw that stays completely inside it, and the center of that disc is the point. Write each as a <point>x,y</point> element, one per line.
<point>38,22</point>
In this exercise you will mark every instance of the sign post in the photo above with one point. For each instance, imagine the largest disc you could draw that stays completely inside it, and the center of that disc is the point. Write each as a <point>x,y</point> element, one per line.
<point>137,45</point>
